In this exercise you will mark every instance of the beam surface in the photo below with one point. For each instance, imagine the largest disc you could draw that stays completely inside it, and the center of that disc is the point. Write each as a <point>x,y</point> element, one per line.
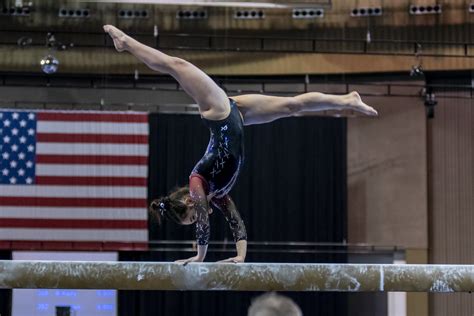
<point>236,277</point>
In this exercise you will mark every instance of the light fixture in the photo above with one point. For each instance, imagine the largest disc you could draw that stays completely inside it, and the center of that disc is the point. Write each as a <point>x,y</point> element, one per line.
<point>24,10</point>
<point>73,13</point>
<point>191,14</point>
<point>49,64</point>
<point>308,13</point>
<point>425,9</point>
<point>366,11</point>
<point>471,8</point>
<point>430,102</point>
<point>249,14</point>
<point>133,14</point>
<point>416,71</point>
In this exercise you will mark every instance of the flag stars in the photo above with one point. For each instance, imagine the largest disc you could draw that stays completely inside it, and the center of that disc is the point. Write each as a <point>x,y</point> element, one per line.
<point>17,147</point>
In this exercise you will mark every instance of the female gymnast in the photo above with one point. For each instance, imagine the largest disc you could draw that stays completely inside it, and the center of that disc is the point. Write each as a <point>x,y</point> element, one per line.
<point>215,174</point>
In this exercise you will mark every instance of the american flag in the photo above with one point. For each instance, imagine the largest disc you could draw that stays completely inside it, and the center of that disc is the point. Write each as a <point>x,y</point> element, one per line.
<point>73,176</point>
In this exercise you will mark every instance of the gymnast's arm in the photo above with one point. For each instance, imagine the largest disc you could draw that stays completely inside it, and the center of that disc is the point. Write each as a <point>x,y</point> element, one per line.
<point>236,224</point>
<point>203,230</point>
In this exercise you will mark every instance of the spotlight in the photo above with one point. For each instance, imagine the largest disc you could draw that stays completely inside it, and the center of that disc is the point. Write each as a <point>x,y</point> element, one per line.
<point>430,103</point>
<point>471,8</point>
<point>416,71</point>
<point>49,64</point>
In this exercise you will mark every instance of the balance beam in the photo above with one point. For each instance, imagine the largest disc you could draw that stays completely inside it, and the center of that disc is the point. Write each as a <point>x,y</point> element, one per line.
<point>236,277</point>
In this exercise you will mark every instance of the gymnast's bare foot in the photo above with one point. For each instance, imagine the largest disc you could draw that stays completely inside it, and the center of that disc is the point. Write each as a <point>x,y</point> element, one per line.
<point>355,104</point>
<point>119,37</point>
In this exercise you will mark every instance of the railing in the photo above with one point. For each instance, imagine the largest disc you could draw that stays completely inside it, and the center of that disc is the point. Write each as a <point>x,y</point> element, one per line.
<point>257,43</point>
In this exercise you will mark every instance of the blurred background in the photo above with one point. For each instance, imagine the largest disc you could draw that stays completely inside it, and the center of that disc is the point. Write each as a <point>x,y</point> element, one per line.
<point>394,189</point>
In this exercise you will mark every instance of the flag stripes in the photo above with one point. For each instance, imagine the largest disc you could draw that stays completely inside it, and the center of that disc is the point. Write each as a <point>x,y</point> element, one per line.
<point>74,176</point>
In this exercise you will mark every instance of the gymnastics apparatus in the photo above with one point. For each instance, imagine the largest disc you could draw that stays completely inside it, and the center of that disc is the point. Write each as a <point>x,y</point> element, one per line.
<point>236,277</point>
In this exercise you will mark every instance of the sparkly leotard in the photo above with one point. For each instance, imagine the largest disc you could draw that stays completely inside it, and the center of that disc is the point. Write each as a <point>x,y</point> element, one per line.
<point>224,156</point>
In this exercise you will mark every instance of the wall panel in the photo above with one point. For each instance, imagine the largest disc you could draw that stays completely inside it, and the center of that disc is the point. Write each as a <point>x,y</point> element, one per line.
<point>387,189</point>
<point>451,195</point>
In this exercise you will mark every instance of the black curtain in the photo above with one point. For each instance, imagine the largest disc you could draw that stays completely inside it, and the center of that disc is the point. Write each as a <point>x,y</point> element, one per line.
<point>292,188</point>
<point>5,295</point>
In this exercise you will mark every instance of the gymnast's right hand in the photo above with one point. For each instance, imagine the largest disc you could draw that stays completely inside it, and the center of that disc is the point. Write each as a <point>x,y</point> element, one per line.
<point>192,259</point>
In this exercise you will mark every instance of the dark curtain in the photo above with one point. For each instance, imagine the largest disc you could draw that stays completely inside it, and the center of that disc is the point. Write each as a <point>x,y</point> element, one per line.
<point>5,295</point>
<point>292,188</point>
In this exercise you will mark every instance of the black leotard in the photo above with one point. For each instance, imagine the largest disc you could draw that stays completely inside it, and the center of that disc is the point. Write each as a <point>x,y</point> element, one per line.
<point>222,162</point>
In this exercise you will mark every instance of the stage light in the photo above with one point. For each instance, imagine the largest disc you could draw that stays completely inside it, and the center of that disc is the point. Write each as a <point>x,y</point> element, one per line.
<point>49,64</point>
<point>416,71</point>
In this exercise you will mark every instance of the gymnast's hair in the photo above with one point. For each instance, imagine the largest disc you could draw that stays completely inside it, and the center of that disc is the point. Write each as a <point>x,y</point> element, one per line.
<point>171,207</point>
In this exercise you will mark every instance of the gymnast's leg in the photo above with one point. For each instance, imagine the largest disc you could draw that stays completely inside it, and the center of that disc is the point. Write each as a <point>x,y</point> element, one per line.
<point>212,100</point>
<point>259,108</point>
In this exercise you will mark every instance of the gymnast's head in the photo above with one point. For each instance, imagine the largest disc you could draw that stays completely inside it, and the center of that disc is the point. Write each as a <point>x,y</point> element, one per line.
<point>176,207</point>
<point>272,304</point>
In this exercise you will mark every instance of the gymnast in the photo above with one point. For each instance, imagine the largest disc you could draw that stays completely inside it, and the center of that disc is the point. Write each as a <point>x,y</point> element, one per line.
<point>216,173</point>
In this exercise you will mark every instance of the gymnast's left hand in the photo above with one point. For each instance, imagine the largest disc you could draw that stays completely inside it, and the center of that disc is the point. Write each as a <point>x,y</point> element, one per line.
<point>192,259</point>
<point>238,259</point>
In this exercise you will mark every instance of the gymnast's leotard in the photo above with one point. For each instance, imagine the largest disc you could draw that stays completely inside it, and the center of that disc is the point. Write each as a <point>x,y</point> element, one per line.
<point>221,164</point>
<point>219,169</point>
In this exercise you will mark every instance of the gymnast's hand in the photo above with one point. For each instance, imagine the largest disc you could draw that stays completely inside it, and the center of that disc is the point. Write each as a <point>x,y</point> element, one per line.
<point>192,259</point>
<point>238,259</point>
